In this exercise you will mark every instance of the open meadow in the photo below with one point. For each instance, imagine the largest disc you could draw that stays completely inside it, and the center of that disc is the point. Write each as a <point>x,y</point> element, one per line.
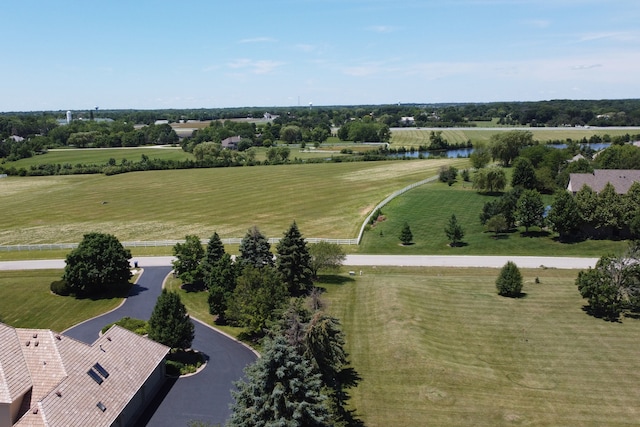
<point>414,136</point>
<point>439,347</point>
<point>327,200</point>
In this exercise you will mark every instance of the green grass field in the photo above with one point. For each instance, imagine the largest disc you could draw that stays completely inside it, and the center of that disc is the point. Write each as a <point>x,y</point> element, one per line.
<point>100,156</point>
<point>427,210</point>
<point>416,137</point>
<point>439,347</point>
<point>326,200</point>
<point>27,302</point>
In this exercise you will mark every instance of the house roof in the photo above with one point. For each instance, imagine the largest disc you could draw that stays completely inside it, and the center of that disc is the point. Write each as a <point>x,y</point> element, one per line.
<point>64,393</point>
<point>621,179</point>
<point>14,374</point>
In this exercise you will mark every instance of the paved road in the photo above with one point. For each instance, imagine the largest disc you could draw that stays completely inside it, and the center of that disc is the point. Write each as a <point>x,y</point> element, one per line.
<point>202,397</point>
<point>371,260</point>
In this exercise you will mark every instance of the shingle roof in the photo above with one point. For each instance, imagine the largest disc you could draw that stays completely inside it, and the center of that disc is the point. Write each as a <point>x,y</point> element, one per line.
<point>14,374</point>
<point>621,179</point>
<point>64,394</point>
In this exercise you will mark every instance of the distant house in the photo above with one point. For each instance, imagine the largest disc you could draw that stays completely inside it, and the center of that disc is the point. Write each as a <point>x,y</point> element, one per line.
<point>47,379</point>
<point>621,179</point>
<point>231,143</point>
<point>407,121</point>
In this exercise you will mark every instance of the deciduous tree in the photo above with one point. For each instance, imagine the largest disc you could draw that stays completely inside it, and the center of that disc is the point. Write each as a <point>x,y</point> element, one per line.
<point>325,255</point>
<point>530,209</point>
<point>99,262</point>
<point>563,214</point>
<point>505,146</point>
<point>524,174</point>
<point>189,255</point>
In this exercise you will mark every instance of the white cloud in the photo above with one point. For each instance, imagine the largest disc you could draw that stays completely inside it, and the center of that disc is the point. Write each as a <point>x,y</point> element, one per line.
<point>381,29</point>
<point>255,67</point>
<point>258,40</point>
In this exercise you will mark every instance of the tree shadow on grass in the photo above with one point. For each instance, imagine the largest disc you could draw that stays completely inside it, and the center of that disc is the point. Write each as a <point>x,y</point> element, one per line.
<point>534,233</point>
<point>334,279</point>
<point>598,314</point>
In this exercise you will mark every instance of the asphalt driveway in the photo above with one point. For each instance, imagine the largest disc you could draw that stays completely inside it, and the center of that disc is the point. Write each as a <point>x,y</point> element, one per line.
<point>205,396</point>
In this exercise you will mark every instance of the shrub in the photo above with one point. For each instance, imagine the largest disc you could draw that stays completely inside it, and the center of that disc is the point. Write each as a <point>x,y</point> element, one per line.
<point>60,287</point>
<point>509,281</point>
<point>138,326</point>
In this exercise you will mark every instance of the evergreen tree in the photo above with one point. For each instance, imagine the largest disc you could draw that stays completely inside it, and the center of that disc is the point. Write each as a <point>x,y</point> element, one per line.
<point>454,231</point>
<point>169,323</point>
<point>221,281</point>
<point>294,262</point>
<point>509,281</point>
<point>405,234</point>
<point>255,249</point>
<point>99,262</point>
<point>215,250</point>
<point>189,255</point>
<point>280,389</point>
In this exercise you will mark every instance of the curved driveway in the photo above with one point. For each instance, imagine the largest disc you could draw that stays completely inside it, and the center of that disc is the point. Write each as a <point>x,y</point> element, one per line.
<point>202,397</point>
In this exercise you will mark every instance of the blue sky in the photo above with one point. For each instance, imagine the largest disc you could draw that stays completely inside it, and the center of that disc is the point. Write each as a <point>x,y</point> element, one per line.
<point>60,55</point>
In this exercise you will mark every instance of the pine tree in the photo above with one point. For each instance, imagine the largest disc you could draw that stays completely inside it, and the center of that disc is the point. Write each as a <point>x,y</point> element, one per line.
<point>454,231</point>
<point>281,389</point>
<point>294,262</point>
<point>405,235</point>
<point>255,249</point>
<point>169,323</point>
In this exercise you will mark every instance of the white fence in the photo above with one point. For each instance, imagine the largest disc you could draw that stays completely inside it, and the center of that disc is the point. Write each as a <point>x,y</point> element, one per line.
<point>228,241</point>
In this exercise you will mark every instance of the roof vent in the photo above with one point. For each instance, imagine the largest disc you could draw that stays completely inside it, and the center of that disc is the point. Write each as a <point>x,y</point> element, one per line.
<point>36,343</point>
<point>58,393</point>
<point>101,406</point>
<point>35,335</point>
<point>58,337</point>
<point>35,410</point>
<point>108,338</point>
<point>27,343</point>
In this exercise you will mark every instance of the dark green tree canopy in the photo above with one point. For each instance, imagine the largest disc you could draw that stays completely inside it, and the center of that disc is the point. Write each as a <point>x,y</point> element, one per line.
<point>169,323</point>
<point>454,231</point>
<point>490,180</point>
<point>188,260</point>
<point>509,281</point>
<point>99,261</point>
<point>564,215</point>
<point>405,234</point>
<point>505,146</point>
<point>524,174</point>
<point>221,281</point>
<point>530,209</point>
<point>281,389</point>
<point>255,249</point>
<point>294,261</point>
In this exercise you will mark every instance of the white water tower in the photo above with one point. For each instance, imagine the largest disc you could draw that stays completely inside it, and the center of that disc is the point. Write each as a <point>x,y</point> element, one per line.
<point>68,117</point>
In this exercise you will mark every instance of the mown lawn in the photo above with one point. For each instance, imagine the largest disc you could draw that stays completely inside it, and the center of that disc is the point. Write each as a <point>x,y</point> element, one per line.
<point>416,137</point>
<point>439,347</point>
<point>326,200</point>
<point>428,208</point>
<point>27,302</point>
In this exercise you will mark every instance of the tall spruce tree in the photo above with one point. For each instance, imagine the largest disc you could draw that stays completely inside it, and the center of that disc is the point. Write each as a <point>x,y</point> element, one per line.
<point>405,234</point>
<point>255,249</point>
<point>454,231</point>
<point>169,323</point>
<point>294,262</point>
<point>281,389</point>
